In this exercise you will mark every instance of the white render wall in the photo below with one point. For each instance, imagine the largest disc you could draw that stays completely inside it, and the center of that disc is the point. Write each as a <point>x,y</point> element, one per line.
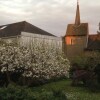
<point>28,39</point>
<point>32,39</point>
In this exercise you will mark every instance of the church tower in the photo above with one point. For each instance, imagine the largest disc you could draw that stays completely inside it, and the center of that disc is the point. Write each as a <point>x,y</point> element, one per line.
<point>76,37</point>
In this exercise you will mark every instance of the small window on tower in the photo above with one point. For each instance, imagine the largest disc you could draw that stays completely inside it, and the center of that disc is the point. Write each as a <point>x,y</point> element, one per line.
<point>72,41</point>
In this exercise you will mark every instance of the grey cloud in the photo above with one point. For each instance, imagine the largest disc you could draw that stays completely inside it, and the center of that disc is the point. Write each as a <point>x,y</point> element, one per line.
<point>51,15</point>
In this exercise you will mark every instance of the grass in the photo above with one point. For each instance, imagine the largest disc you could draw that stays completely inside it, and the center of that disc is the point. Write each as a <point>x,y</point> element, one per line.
<point>52,91</point>
<point>73,93</point>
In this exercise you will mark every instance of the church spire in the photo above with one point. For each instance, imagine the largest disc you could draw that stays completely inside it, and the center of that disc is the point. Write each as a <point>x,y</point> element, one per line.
<point>77,19</point>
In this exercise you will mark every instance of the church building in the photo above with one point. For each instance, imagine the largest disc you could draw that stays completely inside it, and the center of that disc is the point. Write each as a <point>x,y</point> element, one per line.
<point>76,38</point>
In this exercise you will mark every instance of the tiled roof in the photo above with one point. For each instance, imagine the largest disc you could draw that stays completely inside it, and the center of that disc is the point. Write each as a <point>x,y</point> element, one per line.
<point>16,29</point>
<point>74,30</point>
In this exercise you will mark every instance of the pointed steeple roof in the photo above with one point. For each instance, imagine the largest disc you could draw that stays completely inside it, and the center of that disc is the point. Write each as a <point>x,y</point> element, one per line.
<point>77,19</point>
<point>78,28</point>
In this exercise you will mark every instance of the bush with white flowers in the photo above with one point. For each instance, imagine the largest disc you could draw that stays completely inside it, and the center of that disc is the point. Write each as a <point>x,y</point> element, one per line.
<point>36,64</point>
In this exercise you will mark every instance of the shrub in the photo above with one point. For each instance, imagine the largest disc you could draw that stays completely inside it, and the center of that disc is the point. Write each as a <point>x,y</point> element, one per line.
<point>88,60</point>
<point>89,63</point>
<point>32,65</point>
<point>22,93</point>
<point>16,93</point>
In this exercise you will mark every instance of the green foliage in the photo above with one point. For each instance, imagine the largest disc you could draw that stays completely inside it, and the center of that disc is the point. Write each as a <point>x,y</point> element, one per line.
<point>16,93</point>
<point>59,95</point>
<point>51,91</point>
<point>88,60</point>
<point>13,92</point>
<point>72,93</point>
<point>53,95</point>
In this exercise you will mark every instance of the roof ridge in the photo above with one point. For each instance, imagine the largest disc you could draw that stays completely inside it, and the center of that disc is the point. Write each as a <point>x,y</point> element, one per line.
<point>24,26</point>
<point>13,23</point>
<point>38,28</point>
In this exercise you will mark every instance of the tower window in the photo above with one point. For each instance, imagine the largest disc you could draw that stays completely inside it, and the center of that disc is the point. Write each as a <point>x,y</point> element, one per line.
<point>72,41</point>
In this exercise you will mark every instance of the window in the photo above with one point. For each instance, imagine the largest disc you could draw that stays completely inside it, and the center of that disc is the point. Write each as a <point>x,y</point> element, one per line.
<point>72,41</point>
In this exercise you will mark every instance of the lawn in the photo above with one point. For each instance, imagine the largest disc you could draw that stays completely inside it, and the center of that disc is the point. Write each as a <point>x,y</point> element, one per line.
<point>52,91</point>
<point>73,93</point>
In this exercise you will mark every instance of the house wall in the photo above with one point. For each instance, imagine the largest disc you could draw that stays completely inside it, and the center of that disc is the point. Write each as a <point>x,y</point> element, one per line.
<point>37,39</point>
<point>30,39</point>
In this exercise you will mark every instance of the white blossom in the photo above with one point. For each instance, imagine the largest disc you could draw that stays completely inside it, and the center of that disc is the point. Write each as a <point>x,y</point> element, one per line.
<point>37,62</point>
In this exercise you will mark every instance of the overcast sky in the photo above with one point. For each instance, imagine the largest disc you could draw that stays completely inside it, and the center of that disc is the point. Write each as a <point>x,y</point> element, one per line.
<point>50,15</point>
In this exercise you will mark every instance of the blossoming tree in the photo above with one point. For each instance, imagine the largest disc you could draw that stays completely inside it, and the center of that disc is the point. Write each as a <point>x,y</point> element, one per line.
<point>32,65</point>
